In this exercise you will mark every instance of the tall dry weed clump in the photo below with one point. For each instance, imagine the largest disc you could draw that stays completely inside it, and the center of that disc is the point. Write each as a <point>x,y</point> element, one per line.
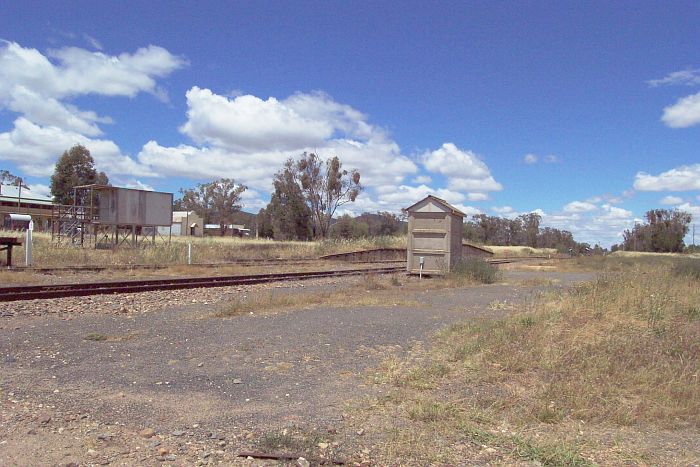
<point>473,270</point>
<point>623,349</point>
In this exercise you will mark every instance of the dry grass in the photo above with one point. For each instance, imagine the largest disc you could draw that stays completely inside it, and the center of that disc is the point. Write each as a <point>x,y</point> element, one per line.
<point>16,277</point>
<point>370,290</point>
<point>616,359</point>
<point>521,251</point>
<point>204,250</point>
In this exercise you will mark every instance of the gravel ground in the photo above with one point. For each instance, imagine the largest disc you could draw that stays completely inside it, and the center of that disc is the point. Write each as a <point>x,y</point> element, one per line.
<point>203,387</point>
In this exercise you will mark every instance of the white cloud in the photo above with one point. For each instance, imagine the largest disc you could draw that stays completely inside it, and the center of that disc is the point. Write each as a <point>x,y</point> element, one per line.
<point>477,196</point>
<point>580,206</point>
<point>684,113</point>
<point>80,72</point>
<point>615,213</point>
<point>468,210</point>
<point>691,209</point>
<point>94,43</point>
<point>49,111</point>
<point>248,123</point>
<point>136,184</point>
<point>248,139</point>
<point>534,159</point>
<point>422,179</point>
<point>671,200</point>
<point>35,86</point>
<point>687,77</point>
<point>34,149</point>
<point>465,171</point>
<point>682,178</point>
<point>40,189</point>
<point>505,211</point>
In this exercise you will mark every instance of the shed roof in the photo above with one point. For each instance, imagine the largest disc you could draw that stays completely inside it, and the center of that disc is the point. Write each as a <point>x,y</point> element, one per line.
<point>12,193</point>
<point>178,216</point>
<point>442,202</point>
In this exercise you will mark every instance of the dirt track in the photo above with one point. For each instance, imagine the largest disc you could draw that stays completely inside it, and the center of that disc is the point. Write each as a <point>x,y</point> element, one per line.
<point>207,386</point>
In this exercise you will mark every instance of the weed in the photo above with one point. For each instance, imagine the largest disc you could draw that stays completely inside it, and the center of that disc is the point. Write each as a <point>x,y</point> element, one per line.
<point>474,269</point>
<point>423,377</point>
<point>372,282</point>
<point>430,411</point>
<point>558,454</point>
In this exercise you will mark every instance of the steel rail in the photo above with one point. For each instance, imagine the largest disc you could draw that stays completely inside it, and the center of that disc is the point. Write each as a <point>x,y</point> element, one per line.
<point>32,292</point>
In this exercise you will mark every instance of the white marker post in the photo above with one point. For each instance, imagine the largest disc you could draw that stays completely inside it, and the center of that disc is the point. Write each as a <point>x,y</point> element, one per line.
<point>189,253</point>
<point>28,245</point>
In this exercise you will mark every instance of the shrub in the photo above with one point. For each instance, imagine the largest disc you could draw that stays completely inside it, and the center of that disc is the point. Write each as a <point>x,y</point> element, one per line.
<point>475,269</point>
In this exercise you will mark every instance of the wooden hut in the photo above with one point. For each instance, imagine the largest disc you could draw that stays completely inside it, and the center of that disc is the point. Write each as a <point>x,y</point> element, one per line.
<point>434,236</point>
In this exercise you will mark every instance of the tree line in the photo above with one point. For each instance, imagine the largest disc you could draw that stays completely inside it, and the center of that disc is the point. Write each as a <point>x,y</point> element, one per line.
<point>308,192</point>
<point>662,231</point>
<point>524,230</point>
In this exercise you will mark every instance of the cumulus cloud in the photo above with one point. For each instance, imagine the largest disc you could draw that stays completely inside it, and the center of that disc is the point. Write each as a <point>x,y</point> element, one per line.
<point>530,159</point>
<point>686,177</point>
<point>80,72</point>
<point>36,87</point>
<point>684,113</point>
<point>477,196</point>
<point>34,149</point>
<point>249,138</point>
<point>250,124</point>
<point>671,200</point>
<point>580,206</point>
<point>465,171</point>
<point>590,223</point>
<point>505,211</point>
<point>690,209</point>
<point>422,179</point>
<point>40,189</point>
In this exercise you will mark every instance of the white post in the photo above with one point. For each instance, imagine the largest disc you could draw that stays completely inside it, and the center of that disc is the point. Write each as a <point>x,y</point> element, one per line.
<point>189,252</point>
<point>28,245</point>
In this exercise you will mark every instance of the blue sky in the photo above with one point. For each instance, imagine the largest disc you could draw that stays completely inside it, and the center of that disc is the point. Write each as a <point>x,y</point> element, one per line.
<point>587,112</point>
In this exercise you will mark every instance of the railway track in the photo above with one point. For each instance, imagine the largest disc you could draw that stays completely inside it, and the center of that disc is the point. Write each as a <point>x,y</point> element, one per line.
<point>32,292</point>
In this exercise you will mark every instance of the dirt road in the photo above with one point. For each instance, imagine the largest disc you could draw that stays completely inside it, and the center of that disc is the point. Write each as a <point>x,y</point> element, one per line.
<point>83,388</point>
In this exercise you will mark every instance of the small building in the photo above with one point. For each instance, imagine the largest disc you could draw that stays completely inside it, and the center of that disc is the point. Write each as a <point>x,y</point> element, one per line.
<point>16,203</point>
<point>434,236</point>
<point>231,230</point>
<point>470,250</point>
<point>187,224</point>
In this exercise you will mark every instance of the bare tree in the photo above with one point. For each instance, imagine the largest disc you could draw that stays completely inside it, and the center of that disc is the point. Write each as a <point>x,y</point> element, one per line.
<point>326,186</point>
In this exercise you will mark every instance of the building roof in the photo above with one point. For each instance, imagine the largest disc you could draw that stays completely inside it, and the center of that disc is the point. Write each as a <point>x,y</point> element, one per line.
<point>178,216</point>
<point>12,193</point>
<point>440,201</point>
<point>230,226</point>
